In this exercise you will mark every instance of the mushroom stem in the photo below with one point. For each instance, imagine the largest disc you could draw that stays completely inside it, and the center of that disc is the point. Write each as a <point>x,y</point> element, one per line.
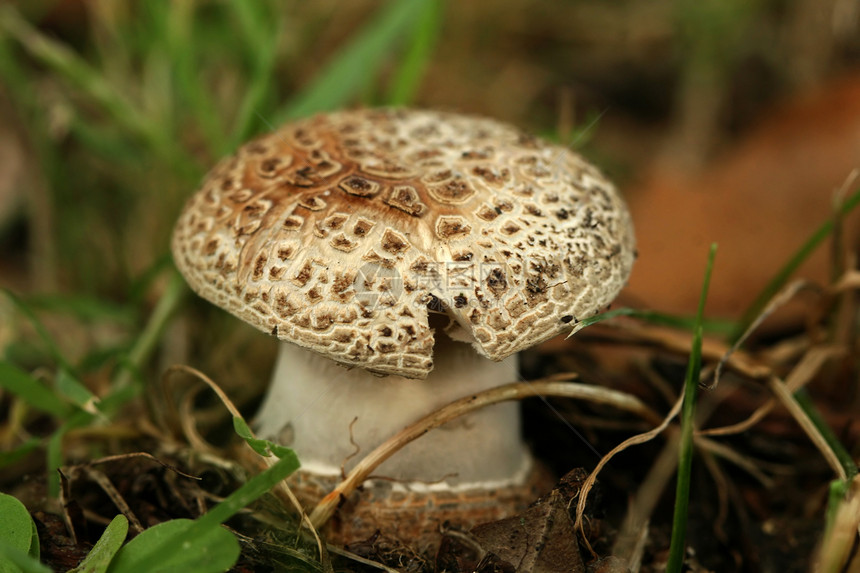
<point>332,416</point>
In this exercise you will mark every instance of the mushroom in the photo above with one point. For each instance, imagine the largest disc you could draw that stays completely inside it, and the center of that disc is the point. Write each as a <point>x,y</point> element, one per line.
<point>403,258</point>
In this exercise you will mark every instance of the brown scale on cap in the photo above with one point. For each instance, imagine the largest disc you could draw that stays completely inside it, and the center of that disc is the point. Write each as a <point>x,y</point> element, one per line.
<point>332,227</point>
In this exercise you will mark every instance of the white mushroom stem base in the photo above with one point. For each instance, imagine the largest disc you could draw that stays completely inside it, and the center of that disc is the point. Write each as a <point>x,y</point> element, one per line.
<point>332,416</point>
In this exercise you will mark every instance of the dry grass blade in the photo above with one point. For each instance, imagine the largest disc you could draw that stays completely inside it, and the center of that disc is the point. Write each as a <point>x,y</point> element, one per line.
<point>283,487</point>
<point>146,455</point>
<point>850,280</point>
<point>842,535</point>
<point>778,301</point>
<point>785,395</point>
<point>359,559</point>
<point>193,372</point>
<point>729,454</point>
<point>189,427</point>
<point>632,441</point>
<point>722,483</point>
<point>679,343</point>
<point>629,545</point>
<point>515,391</point>
<point>104,482</point>
<point>107,486</point>
<point>802,374</point>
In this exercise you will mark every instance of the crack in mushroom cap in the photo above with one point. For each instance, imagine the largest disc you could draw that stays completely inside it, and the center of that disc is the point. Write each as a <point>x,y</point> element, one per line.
<point>341,232</point>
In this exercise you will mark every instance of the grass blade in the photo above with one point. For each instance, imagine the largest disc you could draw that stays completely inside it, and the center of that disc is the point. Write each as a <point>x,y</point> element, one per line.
<point>780,278</point>
<point>261,36</point>
<point>250,491</point>
<point>182,43</point>
<point>653,317</point>
<point>845,459</point>
<point>9,457</point>
<point>40,329</point>
<point>79,73</point>
<point>19,560</point>
<point>32,391</point>
<point>81,306</point>
<point>54,453</point>
<point>685,454</point>
<point>354,68</point>
<point>148,339</point>
<point>418,55</point>
<point>100,556</point>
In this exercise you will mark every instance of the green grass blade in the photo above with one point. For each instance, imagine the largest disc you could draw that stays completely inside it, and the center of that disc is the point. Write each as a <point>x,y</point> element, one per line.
<point>102,553</point>
<point>685,455</point>
<point>781,278</point>
<point>263,447</point>
<point>357,63</point>
<point>261,37</point>
<point>250,491</point>
<point>74,391</point>
<point>836,495</point>
<point>411,70</point>
<point>182,41</point>
<point>146,342</point>
<point>7,458</point>
<point>32,391</point>
<point>845,459</point>
<point>14,560</point>
<point>79,73</point>
<point>40,329</point>
<point>661,318</point>
<point>82,307</point>
<point>54,453</point>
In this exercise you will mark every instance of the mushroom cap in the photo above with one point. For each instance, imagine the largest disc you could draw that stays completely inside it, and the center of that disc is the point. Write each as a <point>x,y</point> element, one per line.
<point>342,232</point>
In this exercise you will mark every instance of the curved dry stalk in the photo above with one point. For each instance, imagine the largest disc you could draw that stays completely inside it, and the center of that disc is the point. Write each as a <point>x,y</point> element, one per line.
<point>514,391</point>
<point>630,541</point>
<point>788,400</point>
<point>743,425</point>
<point>801,375</point>
<point>779,300</point>
<point>194,373</point>
<point>721,483</point>
<point>189,427</point>
<point>145,455</point>
<point>632,441</point>
<point>285,489</point>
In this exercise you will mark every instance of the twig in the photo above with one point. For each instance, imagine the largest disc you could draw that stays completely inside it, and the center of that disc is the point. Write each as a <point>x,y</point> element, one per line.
<point>632,441</point>
<point>515,391</point>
